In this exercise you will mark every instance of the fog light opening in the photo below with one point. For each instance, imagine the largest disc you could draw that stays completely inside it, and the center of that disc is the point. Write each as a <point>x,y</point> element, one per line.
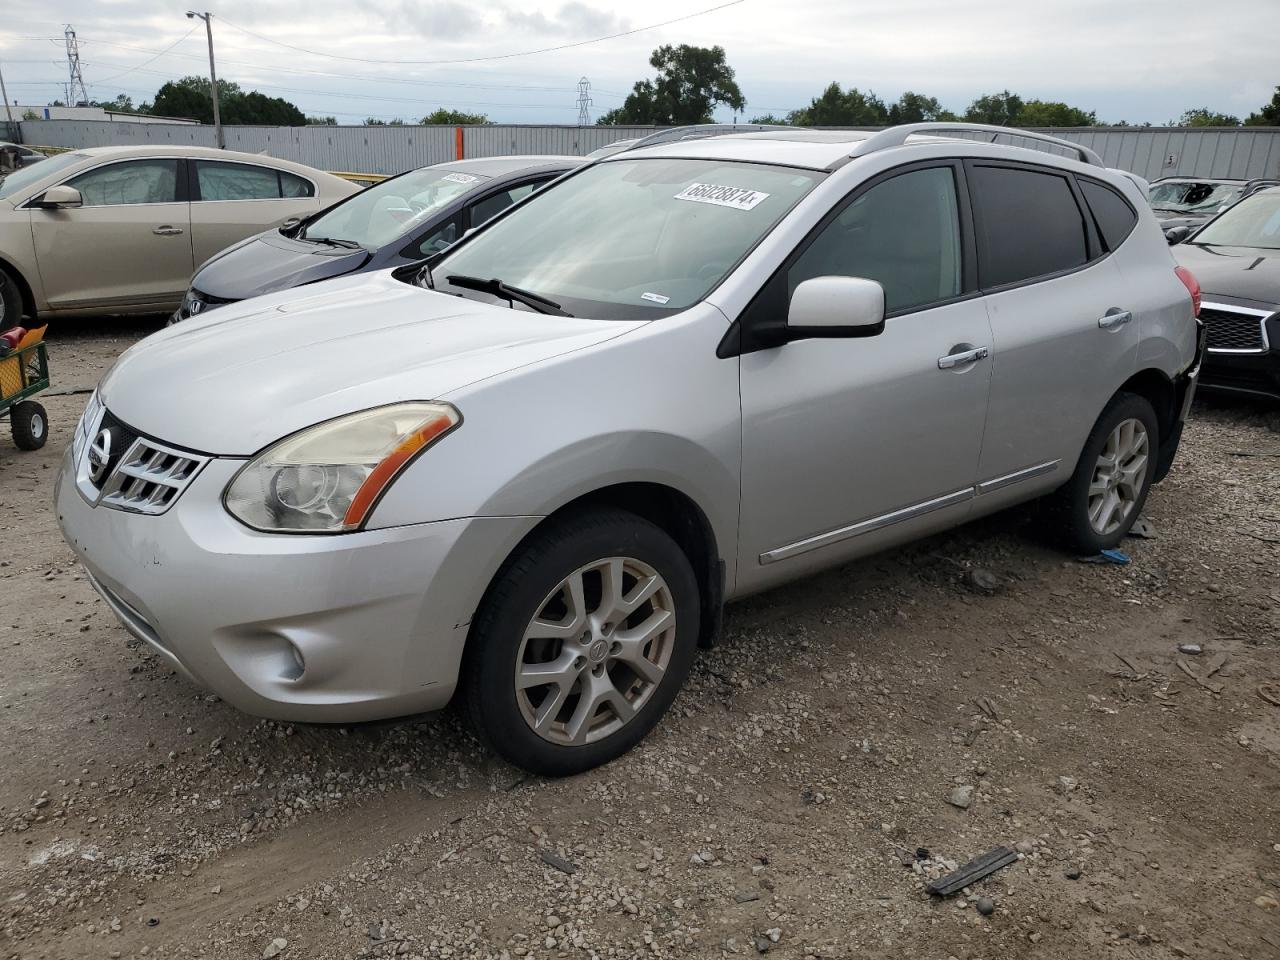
<point>295,665</point>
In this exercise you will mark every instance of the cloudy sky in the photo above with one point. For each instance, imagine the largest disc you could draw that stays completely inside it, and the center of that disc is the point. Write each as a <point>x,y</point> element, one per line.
<point>1129,60</point>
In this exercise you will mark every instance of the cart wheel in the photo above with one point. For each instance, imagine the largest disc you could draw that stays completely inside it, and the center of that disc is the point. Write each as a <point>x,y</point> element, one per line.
<point>30,425</point>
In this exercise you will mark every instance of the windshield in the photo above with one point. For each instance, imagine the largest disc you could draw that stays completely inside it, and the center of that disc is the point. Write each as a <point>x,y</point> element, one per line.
<point>14,183</point>
<point>387,211</point>
<point>630,239</point>
<point>1253,222</point>
<point>1193,196</point>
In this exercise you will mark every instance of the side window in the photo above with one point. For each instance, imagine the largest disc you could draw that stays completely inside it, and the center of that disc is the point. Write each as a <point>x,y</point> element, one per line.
<point>445,236</point>
<point>236,181</point>
<point>1113,215</point>
<point>903,233</point>
<point>1028,224</point>
<point>490,207</point>
<point>295,186</point>
<point>131,181</point>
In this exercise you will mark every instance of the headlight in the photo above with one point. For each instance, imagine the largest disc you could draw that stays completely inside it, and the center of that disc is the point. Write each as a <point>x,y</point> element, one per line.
<point>87,420</point>
<point>328,478</point>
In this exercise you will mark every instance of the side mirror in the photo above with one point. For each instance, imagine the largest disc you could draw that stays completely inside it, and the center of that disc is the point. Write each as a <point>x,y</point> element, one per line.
<point>1177,234</point>
<point>61,198</point>
<point>836,307</point>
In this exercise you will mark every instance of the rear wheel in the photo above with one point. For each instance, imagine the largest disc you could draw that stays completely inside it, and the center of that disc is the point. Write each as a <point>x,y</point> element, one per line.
<point>30,425</point>
<point>10,301</point>
<point>1096,507</point>
<point>582,643</point>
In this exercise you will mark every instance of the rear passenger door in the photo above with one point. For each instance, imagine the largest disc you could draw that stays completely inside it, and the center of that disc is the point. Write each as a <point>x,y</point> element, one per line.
<point>1063,340</point>
<point>231,201</point>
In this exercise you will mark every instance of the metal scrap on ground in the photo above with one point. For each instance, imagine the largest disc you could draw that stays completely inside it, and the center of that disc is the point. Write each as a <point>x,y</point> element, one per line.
<point>972,872</point>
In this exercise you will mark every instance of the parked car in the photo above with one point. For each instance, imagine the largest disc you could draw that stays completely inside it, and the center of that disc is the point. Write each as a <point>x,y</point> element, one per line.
<point>535,469</point>
<point>1184,203</point>
<point>395,222</point>
<point>1236,257</point>
<point>14,156</point>
<point>120,229</point>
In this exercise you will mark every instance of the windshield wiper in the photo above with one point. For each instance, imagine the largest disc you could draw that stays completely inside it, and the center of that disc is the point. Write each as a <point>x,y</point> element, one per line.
<point>333,242</point>
<point>512,295</point>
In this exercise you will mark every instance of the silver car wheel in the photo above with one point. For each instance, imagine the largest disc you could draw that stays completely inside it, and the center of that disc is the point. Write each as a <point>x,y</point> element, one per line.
<point>595,651</point>
<point>1118,477</point>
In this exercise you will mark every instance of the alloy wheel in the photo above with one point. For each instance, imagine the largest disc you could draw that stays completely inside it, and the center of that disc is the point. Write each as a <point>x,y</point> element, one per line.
<point>595,651</point>
<point>1118,476</point>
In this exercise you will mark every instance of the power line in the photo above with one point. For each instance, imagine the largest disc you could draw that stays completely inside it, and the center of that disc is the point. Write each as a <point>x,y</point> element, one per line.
<point>501,56</point>
<point>152,60</point>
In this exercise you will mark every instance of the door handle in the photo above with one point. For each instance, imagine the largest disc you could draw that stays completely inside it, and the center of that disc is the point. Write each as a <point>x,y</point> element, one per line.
<point>167,231</point>
<point>1113,319</point>
<point>964,356</point>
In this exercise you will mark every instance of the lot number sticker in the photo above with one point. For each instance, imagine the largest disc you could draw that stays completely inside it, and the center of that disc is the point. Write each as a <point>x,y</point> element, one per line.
<point>460,178</point>
<point>739,198</point>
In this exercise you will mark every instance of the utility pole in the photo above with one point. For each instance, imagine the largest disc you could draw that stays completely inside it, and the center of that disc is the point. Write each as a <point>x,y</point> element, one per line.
<point>584,102</point>
<point>76,93</point>
<point>213,77</point>
<point>4,94</point>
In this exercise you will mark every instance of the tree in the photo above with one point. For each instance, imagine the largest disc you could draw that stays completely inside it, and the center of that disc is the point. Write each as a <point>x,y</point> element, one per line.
<point>190,97</point>
<point>30,114</point>
<point>769,118</point>
<point>121,104</point>
<point>454,117</point>
<point>917,108</point>
<point>1268,115</point>
<point>322,121</point>
<point>691,82</point>
<point>841,108</point>
<point>1052,113</point>
<point>1001,109</point>
<point>1204,117</point>
<point>374,122</point>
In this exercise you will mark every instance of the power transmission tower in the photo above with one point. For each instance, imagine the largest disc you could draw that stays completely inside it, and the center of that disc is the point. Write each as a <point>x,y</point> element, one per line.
<point>584,102</point>
<point>76,93</point>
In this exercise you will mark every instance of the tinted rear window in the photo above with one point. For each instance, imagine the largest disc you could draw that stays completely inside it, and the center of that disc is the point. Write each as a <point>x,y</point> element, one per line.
<point>1114,217</point>
<point>1029,225</point>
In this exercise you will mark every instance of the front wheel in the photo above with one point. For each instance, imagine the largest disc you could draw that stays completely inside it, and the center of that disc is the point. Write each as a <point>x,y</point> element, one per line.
<point>30,425</point>
<point>582,642</point>
<point>1096,507</point>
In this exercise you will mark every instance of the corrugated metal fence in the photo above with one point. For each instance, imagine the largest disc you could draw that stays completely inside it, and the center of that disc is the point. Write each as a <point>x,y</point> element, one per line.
<point>1151,152</point>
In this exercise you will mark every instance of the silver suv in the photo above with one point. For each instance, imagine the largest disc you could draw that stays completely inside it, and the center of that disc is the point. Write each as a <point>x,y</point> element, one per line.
<point>537,468</point>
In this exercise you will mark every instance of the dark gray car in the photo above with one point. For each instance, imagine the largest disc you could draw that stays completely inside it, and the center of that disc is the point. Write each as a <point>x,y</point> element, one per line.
<point>393,223</point>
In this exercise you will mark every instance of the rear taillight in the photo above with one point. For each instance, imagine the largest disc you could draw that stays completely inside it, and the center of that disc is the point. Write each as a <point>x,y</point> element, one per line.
<point>1193,287</point>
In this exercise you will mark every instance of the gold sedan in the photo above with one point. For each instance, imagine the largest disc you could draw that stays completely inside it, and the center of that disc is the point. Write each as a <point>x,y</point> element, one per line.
<point>122,229</point>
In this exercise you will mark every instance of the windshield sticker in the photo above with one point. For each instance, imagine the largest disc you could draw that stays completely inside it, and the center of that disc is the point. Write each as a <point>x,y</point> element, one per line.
<point>739,198</point>
<point>655,297</point>
<point>460,178</point>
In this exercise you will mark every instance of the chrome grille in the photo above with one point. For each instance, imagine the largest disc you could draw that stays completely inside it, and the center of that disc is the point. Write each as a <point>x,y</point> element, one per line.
<point>149,477</point>
<point>146,476</point>
<point>1232,329</point>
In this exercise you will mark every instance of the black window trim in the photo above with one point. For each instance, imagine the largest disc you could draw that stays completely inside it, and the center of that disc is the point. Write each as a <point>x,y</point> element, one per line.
<point>739,340</point>
<point>1095,251</point>
<point>1102,240</point>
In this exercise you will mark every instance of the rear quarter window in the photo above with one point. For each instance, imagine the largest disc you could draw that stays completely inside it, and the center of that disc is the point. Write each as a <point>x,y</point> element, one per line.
<point>1028,224</point>
<point>1111,212</point>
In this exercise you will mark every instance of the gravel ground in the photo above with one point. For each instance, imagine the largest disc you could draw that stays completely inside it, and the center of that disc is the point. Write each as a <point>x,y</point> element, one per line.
<point>854,735</point>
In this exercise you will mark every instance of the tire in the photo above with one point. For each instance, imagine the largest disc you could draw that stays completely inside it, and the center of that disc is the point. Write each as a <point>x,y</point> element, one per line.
<point>30,425</point>
<point>10,301</point>
<point>529,619</point>
<point>1079,508</point>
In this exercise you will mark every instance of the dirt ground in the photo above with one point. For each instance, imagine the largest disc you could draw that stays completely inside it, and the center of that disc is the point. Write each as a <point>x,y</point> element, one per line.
<point>795,801</point>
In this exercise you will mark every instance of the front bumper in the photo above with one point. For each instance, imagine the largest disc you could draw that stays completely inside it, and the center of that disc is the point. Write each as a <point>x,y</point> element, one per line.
<point>326,629</point>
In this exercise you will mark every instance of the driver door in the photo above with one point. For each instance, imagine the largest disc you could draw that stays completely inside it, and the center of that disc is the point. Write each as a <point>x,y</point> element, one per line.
<point>849,445</point>
<point>129,245</point>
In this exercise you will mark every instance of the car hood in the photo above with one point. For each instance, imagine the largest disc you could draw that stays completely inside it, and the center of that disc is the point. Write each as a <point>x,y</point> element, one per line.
<point>1250,273</point>
<point>235,380</point>
<point>270,262</point>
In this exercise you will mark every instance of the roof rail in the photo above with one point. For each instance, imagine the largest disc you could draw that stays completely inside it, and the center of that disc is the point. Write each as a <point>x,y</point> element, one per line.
<point>897,136</point>
<point>699,131</point>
